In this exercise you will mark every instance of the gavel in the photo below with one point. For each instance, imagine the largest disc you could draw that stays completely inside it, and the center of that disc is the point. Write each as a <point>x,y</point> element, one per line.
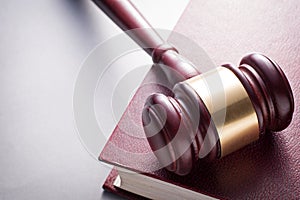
<point>212,114</point>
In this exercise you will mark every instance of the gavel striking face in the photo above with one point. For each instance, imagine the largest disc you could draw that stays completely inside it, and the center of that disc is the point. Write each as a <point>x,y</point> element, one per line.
<point>212,114</point>
<point>200,123</point>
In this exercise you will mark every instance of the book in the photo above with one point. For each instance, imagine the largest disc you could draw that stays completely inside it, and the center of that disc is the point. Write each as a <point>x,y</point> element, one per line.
<point>266,169</point>
<point>142,186</point>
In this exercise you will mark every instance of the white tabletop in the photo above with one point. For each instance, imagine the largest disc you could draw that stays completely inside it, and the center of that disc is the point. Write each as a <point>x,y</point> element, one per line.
<point>42,46</point>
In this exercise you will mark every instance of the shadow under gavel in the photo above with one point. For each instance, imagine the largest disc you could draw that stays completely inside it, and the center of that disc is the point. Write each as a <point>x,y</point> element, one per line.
<point>210,115</point>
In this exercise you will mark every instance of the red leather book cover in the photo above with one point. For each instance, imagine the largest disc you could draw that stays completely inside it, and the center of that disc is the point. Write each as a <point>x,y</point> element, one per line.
<point>227,30</point>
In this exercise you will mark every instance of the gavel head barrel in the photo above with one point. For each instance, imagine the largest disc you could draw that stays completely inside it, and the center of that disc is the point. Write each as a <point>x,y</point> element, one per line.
<point>218,112</point>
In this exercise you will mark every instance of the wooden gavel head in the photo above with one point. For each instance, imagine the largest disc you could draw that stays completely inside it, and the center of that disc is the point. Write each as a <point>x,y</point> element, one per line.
<point>218,112</point>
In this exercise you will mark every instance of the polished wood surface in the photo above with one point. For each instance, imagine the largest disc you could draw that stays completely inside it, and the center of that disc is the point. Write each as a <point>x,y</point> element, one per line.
<point>258,74</point>
<point>129,19</point>
<point>172,123</point>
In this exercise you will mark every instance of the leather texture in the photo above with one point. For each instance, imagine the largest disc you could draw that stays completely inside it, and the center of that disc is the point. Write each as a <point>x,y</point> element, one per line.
<point>227,30</point>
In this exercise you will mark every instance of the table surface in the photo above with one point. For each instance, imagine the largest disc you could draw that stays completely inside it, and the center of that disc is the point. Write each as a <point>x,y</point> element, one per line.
<point>43,44</point>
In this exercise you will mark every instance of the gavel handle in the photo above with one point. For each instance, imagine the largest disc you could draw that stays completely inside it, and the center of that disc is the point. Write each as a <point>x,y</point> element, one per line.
<point>127,17</point>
